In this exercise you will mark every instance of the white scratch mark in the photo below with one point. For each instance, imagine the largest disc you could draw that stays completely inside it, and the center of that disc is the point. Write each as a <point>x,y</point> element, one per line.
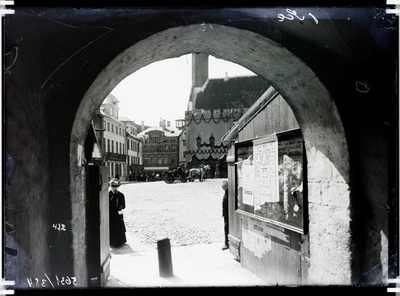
<point>74,27</point>
<point>15,58</point>
<point>362,87</point>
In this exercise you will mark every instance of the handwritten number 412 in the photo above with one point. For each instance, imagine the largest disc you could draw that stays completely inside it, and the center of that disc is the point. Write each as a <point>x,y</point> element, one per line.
<point>292,14</point>
<point>59,227</point>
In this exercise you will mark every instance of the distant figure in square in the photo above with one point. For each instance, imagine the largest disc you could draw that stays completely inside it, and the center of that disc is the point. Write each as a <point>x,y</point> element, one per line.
<point>117,223</point>
<point>225,214</point>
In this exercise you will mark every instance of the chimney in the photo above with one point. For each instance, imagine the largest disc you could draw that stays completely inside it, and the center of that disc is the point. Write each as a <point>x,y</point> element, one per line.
<point>199,69</point>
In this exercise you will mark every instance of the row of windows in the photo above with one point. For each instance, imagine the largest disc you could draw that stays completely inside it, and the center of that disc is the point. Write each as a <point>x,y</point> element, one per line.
<point>118,130</point>
<point>119,147</point>
<point>166,159</point>
<point>108,146</point>
<point>133,160</point>
<point>158,140</point>
<point>160,148</point>
<point>115,168</point>
<point>134,146</point>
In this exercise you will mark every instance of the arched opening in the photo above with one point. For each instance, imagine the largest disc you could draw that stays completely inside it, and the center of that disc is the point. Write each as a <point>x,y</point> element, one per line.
<point>318,118</point>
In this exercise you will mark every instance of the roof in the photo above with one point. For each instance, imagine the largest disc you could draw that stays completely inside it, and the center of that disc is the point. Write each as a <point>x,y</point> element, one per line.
<point>126,119</point>
<point>131,135</point>
<point>168,132</point>
<point>235,92</point>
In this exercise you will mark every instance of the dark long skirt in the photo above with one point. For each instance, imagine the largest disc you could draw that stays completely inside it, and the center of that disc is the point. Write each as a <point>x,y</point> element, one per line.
<point>117,229</point>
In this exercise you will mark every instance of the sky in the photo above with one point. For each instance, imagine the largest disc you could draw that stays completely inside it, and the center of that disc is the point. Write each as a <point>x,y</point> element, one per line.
<point>162,89</point>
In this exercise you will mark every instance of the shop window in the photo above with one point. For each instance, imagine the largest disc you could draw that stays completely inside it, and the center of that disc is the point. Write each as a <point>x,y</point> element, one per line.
<point>270,173</point>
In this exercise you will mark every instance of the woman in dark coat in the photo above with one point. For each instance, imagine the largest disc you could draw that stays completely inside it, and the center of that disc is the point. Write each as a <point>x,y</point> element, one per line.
<point>117,223</point>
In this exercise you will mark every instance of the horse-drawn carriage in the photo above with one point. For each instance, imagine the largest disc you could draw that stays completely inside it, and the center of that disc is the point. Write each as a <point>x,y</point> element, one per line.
<point>179,174</point>
<point>201,173</point>
<point>173,175</point>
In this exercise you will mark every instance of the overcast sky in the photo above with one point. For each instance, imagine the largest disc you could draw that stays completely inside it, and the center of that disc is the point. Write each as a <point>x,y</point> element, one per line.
<point>162,89</point>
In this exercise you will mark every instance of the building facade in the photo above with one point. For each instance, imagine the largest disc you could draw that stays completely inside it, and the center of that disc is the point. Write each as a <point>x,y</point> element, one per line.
<point>182,147</point>
<point>134,162</point>
<point>213,108</point>
<point>114,146</point>
<point>160,150</point>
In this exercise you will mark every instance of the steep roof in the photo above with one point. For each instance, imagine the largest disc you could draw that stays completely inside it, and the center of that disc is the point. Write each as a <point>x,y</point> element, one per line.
<point>235,92</point>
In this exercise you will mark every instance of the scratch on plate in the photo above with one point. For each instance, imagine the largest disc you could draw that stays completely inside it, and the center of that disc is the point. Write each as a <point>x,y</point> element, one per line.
<point>82,48</point>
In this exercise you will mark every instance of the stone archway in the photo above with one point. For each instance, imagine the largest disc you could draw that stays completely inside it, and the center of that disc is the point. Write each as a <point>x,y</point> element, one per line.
<point>315,111</point>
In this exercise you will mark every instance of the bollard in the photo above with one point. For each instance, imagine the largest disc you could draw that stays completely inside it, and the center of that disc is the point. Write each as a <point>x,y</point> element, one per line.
<point>164,257</point>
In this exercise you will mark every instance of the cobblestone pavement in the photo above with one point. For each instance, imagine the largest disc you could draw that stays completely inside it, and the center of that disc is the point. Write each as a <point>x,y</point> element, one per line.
<point>190,215</point>
<point>187,213</point>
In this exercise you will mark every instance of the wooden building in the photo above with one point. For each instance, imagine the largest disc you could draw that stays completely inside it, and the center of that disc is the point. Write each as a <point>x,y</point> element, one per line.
<point>268,192</point>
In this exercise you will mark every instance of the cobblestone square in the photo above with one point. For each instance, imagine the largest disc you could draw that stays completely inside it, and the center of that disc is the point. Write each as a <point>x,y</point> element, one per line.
<point>187,213</point>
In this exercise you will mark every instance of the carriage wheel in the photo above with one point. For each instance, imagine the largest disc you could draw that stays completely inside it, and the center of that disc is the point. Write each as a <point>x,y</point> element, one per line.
<point>169,179</point>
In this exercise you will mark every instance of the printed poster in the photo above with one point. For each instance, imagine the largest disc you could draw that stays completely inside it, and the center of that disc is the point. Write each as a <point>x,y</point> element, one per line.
<point>266,182</point>
<point>248,177</point>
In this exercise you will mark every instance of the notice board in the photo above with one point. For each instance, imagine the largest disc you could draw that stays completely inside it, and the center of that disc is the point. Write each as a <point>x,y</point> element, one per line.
<point>270,174</point>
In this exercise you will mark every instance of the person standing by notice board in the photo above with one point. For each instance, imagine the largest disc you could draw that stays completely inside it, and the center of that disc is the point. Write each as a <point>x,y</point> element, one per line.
<point>225,214</point>
<point>117,223</point>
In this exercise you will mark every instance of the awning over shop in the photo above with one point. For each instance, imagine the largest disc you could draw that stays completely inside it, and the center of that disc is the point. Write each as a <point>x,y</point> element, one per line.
<point>156,168</point>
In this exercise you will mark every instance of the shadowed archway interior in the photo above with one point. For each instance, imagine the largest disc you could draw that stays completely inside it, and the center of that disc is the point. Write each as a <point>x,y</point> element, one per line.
<point>315,111</point>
